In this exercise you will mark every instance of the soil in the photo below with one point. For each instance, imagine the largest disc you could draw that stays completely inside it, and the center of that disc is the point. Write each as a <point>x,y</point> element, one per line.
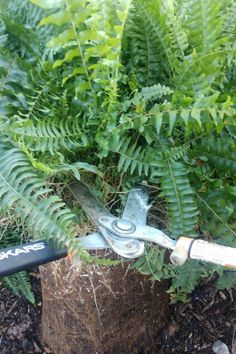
<point>20,321</point>
<point>106,310</point>
<point>192,328</point>
<point>195,326</point>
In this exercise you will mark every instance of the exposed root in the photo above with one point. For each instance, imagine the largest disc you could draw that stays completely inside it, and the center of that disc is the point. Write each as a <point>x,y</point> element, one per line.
<point>95,299</point>
<point>100,310</point>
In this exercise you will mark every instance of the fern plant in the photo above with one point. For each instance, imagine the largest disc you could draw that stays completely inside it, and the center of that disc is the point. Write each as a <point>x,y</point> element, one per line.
<point>40,137</point>
<point>145,86</point>
<point>19,283</point>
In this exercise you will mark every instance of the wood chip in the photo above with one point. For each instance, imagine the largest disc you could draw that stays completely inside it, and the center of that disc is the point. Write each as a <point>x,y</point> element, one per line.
<point>231,294</point>
<point>208,306</point>
<point>222,295</point>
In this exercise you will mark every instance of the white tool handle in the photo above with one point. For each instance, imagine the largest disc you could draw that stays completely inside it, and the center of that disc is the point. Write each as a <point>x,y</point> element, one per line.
<point>203,250</point>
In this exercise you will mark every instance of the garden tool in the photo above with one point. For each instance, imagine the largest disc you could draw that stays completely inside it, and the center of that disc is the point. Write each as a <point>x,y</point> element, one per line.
<point>126,236</point>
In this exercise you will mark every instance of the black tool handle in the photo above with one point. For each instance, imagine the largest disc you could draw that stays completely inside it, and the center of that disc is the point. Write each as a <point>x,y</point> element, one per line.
<point>17,258</point>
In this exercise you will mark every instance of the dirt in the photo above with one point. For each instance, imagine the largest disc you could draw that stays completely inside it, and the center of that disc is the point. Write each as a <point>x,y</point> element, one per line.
<point>195,326</point>
<point>20,321</point>
<point>192,328</point>
<point>105,310</point>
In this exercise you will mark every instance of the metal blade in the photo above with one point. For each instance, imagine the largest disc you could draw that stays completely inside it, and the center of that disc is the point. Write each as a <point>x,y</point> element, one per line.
<point>136,206</point>
<point>128,247</point>
<point>93,242</point>
<point>141,232</point>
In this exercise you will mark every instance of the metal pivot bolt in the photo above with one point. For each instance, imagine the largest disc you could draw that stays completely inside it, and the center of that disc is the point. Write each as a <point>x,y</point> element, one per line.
<point>123,226</point>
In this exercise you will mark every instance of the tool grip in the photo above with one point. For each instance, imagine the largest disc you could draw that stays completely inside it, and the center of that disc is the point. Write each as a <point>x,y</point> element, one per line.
<point>22,257</point>
<point>214,253</point>
<point>204,251</point>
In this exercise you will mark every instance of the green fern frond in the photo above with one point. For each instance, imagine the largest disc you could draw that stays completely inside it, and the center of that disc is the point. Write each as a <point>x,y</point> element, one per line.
<point>207,68</point>
<point>22,12</point>
<point>23,41</point>
<point>147,43</point>
<point>186,278</point>
<point>10,235</point>
<point>25,193</point>
<point>217,204</point>
<point>91,32</point>
<point>207,51</point>
<point>226,280</point>
<point>204,114</point>
<point>20,285</point>
<point>156,91</point>
<point>47,135</point>
<point>21,20</point>
<point>178,35</point>
<point>3,35</point>
<point>151,263</point>
<point>177,152</point>
<point>56,168</point>
<point>140,53</point>
<point>26,107</point>
<point>156,22</point>
<point>219,153</point>
<point>228,16</point>
<point>177,191</point>
<point>10,71</point>
<point>11,78</point>
<point>179,195</point>
<point>204,24</point>
<point>132,157</point>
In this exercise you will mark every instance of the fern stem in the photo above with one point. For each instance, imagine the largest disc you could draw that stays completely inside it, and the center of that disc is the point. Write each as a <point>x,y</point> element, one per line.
<point>37,98</point>
<point>148,62</point>
<point>177,194</point>
<point>150,115</point>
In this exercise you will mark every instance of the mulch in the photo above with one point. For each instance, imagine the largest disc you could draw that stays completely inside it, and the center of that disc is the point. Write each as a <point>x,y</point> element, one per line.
<point>20,327</point>
<point>195,326</point>
<point>192,328</point>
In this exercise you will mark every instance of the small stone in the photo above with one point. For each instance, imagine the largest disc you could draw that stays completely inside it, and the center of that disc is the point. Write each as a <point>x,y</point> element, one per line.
<point>220,348</point>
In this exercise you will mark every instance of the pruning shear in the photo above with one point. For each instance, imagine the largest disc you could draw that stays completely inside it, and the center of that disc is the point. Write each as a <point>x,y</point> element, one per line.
<point>126,236</point>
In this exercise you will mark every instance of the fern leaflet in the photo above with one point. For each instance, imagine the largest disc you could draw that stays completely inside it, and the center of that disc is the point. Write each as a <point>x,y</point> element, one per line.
<point>23,190</point>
